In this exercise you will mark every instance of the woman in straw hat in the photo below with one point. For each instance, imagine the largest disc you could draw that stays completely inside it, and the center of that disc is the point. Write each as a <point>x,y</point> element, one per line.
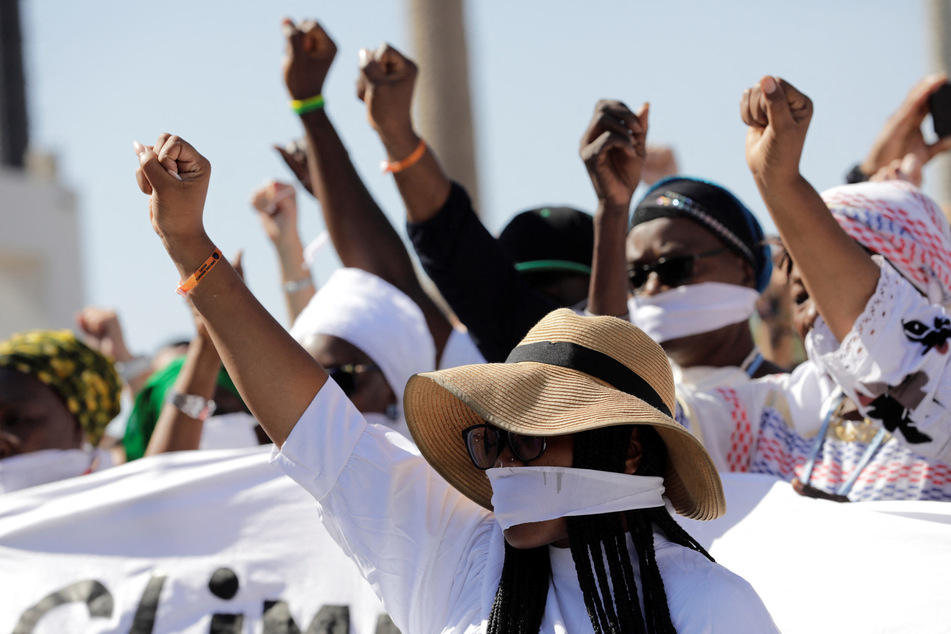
<point>570,441</point>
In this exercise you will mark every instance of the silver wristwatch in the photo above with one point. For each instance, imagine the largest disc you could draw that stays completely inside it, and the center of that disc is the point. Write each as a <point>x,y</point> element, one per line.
<point>197,407</point>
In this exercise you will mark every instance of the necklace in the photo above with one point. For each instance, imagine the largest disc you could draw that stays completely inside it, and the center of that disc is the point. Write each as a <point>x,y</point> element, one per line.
<point>848,431</point>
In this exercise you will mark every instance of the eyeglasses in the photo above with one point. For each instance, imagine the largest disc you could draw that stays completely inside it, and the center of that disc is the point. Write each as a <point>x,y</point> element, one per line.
<point>485,443</point>
<point>346,375</point>
<point>672,271</point>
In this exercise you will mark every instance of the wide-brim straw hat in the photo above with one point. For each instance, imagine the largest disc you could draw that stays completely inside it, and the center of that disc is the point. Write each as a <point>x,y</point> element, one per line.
<point>569,374</point>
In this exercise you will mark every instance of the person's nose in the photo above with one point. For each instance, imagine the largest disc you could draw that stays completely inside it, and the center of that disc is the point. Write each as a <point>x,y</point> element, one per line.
<point>653,285</point>
<point>507,458</point>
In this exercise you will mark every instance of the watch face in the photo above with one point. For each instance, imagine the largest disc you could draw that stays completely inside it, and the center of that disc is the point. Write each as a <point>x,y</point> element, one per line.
<point>193,405</point>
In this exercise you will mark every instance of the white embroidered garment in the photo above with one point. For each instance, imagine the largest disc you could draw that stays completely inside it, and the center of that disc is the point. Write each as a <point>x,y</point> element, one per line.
<point>435,557</point>
<point>886,366</point>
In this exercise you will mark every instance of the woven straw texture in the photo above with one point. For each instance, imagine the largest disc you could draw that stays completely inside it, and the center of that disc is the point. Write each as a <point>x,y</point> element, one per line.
<point>545,400</point>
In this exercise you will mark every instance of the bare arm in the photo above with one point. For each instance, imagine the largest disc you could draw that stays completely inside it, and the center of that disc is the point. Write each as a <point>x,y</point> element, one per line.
<point>386,83</point>
<point>613,149</point>
<point>839,275</point>
<point>276,205</point>
<point>361,233</point>
<point>275,376</point>
<point>174,430</point>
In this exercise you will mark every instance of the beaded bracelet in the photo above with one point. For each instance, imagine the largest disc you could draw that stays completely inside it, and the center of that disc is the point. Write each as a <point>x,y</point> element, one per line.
<point>202,271</point>
<point>302,106</point>
<point>392,167</point>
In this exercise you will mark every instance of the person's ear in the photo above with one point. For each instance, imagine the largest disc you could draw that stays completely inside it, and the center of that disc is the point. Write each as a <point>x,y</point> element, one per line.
<point>749,279</point>
<point>634,453</point>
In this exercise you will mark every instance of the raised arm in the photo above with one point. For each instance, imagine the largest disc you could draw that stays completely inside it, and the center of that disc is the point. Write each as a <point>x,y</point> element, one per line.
<point>361,233</point>
<point>276,205</point>
<point>613,149</point>
<point>839,275</point>
<point>275,376</point>
<point>901,139</point>
<point>385,85</point>
<point>176,430</point>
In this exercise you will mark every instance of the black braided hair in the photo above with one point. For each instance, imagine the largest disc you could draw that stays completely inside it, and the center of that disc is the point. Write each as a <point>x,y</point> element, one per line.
<point>523,590</point>
<point>613,606</point>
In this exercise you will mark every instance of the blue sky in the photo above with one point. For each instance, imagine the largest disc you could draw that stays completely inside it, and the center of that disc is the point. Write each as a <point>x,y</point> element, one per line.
<point>103,73</point>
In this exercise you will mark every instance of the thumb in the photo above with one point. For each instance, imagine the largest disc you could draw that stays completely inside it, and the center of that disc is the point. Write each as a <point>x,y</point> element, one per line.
<point>777,108</point>
<point>150,166</point>
<point>911,168</point>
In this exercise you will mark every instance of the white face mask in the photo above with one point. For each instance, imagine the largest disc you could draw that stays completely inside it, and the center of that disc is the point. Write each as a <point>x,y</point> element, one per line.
<point>521,495</point>
<point>691,309</point>
<point>41,467</point>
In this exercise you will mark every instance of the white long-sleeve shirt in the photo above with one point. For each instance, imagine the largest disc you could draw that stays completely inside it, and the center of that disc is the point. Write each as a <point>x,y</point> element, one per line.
<point>435,557</point>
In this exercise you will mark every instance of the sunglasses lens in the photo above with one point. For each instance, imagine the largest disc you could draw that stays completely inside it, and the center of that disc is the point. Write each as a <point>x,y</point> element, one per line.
<point>482,443</point>
<point>638,278</point>
<point>675,271</point>
<point>526,448</point>
<point>347,380</point>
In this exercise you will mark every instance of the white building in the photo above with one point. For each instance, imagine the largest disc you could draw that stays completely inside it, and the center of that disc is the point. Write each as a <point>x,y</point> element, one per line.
<point>41,277</point>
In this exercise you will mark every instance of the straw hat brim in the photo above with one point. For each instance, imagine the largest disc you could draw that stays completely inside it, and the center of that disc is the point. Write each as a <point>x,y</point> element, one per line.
<point>539,399</point>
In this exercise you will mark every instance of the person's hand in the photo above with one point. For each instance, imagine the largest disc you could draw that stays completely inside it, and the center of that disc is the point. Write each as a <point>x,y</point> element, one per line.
<point>386,82</point>
<point>295,156</point>
<point>276,204</point>
<point>906,169</point>
<point>307,58</point>
<point>660,163</point>
<point>778,117</point>
<point>614,148</point>
<point>175,177</point>
<point>901,135</point>
<point>102,332</point>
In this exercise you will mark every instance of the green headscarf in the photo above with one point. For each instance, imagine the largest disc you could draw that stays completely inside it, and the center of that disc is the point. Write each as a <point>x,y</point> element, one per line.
<point>149,402</point>
<point>85,380</point>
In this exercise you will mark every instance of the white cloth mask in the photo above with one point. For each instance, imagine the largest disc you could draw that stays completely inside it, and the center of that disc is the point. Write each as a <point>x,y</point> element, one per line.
<point>49,465</point>
<point>691,309</point>
<point>521,495</point>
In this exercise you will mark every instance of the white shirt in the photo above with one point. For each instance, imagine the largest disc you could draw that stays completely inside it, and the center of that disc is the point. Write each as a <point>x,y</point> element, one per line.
<point>435,557</point>
<point>770,425</point>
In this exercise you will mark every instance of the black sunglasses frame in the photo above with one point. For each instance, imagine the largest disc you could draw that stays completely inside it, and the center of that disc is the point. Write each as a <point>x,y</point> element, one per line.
<point>667,271</point>
<point>502,438</point>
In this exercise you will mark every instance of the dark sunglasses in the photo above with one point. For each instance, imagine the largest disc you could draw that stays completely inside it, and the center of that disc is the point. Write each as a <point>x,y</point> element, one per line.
<point>346,375</point>
<point>672,271</point>
<point>485,442</point>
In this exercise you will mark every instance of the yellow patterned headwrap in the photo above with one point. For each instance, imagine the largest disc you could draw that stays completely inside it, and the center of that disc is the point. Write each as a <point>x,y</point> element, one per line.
<point>83,378</point>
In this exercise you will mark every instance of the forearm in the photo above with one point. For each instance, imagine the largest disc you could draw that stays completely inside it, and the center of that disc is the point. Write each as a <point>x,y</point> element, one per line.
<point>607,294</point>
<point>361,233</point>
<point>837,272</point>
<point>295,275</point>
<point>276,377</point>
<point>174,430</point>
<point>423,186</point>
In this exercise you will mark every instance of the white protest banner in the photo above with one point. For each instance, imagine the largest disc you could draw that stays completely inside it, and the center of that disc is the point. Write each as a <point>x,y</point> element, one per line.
<point>203,541</point>
<point>826,567</point>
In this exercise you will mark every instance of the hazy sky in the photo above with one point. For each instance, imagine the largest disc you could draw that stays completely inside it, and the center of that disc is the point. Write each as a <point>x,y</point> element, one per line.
<point>103,73</point>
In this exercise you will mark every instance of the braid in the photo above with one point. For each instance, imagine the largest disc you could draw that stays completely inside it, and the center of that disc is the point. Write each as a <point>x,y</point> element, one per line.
<point>595,539</point>
<point>523,590</point>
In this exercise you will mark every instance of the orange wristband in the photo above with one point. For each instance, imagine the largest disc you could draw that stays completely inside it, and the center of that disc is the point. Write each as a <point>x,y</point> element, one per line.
<point>392,167</point>
<point>202,271</point>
